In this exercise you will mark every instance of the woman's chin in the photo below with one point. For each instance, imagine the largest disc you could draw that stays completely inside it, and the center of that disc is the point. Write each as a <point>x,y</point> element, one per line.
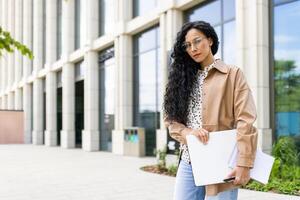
<point>198,60</point>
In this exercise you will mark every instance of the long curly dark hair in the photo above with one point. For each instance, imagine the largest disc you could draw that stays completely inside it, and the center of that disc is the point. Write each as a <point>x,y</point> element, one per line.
<point>183,72</point>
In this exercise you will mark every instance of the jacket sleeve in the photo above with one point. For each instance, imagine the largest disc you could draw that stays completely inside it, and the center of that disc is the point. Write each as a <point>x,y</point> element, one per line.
<point>175,130</point>
<point>245,116</point>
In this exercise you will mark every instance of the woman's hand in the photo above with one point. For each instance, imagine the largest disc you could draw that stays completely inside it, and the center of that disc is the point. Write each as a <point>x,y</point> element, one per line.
<point>202,134</point>
<point>241,174</point>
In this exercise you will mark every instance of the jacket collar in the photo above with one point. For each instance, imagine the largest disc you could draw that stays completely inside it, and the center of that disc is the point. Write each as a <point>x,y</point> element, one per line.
<point>221,66</point>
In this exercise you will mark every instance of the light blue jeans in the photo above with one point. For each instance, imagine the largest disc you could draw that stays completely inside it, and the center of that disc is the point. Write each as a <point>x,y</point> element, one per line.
<point>185,188</point>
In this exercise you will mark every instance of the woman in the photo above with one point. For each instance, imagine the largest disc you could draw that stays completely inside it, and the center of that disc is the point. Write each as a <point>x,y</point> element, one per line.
<point>204,94</point>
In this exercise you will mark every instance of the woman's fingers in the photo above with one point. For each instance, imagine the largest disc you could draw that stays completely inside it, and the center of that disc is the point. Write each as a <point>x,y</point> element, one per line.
<point>203,135</point>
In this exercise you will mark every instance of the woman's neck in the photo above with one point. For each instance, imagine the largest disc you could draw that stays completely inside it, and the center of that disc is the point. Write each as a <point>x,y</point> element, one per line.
<point>208,61</point>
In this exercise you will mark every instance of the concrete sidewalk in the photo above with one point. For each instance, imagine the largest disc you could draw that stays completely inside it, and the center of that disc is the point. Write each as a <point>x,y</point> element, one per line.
<point>29,172</point>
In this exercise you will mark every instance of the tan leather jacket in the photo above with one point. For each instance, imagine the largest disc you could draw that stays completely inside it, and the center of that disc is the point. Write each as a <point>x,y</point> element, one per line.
<point>227,104</point>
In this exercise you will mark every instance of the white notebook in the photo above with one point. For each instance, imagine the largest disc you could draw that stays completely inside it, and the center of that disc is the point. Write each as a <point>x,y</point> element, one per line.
<point>210,162</point>
<point>213,162</point>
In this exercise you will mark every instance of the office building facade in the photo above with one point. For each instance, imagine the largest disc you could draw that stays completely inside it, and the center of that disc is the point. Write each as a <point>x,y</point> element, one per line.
<point>100,66</point>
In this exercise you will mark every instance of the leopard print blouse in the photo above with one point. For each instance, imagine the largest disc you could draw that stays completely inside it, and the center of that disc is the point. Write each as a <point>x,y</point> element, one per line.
<point>194,120</point>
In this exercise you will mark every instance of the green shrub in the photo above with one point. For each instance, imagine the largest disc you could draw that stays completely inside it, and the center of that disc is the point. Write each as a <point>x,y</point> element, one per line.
<point>285,150</point>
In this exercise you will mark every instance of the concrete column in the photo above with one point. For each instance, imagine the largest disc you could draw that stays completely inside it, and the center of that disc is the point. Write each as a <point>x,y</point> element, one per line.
<point>11,59</point>
<point>124,89</point>
<point>68,101</point>
<point>27,113</point>
<point>11,101</point>
<point>18,56</point>
<point>68,33</point>
<point>18,99</point>
<point>18,37</point>
<point>90,134</point>
<point>51,88</point>
<point>27,35</point>
<point>27,65</point>
<point>51,110</point>
<point>124,98</point>
<point>4,56</point>
<point>51,34</point>
<point>38,35</point>
<point>253,58</point>
<point>170,24</point>
<point>4,102</point>
<point>68,76</point>
<point>38,112</point>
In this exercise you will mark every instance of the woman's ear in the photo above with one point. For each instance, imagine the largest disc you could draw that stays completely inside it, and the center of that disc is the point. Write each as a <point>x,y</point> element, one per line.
<point>210,42</point>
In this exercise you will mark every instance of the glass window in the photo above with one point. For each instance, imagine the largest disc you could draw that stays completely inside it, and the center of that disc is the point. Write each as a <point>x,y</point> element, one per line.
<point>79,70</point>
<point>147,85</point>
<point>221,15</point>
<point>107,83</point>
<point>229,55</point>
<point>59,28</point>
<point>229,9</point>
<point>77,23</point>
<point>140,7</point>
<point>106,16</point>
<point>287,67</point>
<point>210,12</point>
<point>59,79</point>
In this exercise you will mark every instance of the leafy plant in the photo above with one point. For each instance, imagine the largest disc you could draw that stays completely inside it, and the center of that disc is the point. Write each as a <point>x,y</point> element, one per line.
<point>161,157</point>
<point>7,43</point>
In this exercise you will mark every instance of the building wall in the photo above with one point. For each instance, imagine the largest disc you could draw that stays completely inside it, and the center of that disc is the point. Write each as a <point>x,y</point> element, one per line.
<point>22,79</point>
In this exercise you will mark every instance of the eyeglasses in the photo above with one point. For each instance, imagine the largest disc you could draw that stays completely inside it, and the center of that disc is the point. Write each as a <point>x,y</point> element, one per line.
<point>187,46</point>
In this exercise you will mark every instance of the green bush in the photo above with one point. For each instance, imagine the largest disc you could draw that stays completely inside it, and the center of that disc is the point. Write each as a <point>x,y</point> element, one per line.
<point>285,174</point>
<point>285,150</point>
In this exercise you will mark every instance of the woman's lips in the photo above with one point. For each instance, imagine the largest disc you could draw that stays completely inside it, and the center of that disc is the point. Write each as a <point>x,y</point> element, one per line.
<point>196,55</point>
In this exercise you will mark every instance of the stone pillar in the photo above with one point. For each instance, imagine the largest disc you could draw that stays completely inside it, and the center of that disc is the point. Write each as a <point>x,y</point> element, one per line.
<point>253,57</point>
<point>18,37</point>
<point>51,87</point>
<point>27,113</point>
<point>18,99</point>
<point>27,35</point>
<point>90,139</point>
<point>68,104</point>
<point>51,110</point>
<point>170,23</point>
<point>4,74</point>
<point>38,99</point>
<point>11,60</point>
<point>68,76</point>
<point>124,99</point>
<point>4,102</point>
<point>27,65</point>
<point>38,112</point>
<point>10,101</point>
<point>90,134</point>
<point>18,55</point>
<point>123,62</point>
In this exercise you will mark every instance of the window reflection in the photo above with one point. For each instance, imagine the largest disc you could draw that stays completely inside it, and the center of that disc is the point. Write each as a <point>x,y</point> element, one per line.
<point>141,7</point>
<point>229,53</point>
<point>106,16</point>
<point>147,80</point>
<point>210,12</point>
<point>229,10</point>
<point>287,67</point>
<point>107,98</point>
